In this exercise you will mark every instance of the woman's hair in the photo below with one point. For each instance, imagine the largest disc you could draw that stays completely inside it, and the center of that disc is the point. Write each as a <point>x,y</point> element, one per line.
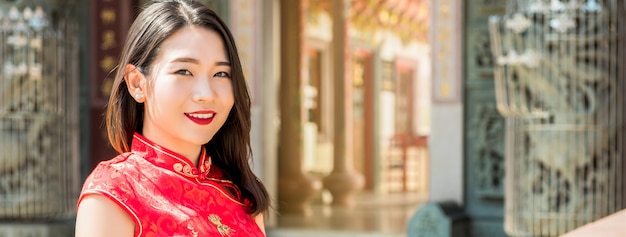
<point>230,146</point>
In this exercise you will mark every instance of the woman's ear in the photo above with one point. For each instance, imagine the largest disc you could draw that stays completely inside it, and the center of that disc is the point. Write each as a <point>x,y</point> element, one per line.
<point>135,81</point>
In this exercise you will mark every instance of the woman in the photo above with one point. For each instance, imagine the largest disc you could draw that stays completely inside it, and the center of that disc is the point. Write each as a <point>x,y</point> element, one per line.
<point>179,115</point>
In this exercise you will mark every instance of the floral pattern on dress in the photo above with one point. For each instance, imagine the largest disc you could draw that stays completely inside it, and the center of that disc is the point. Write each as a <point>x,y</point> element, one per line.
<point>166,201</point>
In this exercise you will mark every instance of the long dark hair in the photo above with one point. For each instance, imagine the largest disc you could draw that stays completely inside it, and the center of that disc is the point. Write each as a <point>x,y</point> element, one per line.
<point>230,146</point>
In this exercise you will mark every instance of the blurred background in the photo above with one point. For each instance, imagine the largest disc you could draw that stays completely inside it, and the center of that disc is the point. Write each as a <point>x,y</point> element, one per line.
<point>370,117</point>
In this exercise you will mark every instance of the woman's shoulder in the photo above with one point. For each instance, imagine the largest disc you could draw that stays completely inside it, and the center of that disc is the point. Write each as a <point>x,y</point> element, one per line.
<point>108,191</point>
<point>122,162</point>
<point>110,177</point>
<point>121,158</point>
<point>96,214</point>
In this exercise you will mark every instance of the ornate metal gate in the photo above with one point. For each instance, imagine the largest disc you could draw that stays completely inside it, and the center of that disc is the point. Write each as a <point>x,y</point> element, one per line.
<point>38,115</point>
<point>560,84</point>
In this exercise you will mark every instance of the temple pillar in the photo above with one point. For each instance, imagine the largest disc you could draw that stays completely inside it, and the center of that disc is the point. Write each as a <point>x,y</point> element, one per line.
<point>344,180</point>
<point>295,187</point>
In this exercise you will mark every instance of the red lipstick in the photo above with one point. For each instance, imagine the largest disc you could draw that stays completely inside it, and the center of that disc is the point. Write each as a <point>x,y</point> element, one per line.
<point>201,117</point>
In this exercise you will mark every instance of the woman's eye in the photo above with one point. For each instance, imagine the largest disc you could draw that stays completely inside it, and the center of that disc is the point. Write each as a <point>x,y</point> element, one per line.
<point>183,72</point>
<point>222,74</point>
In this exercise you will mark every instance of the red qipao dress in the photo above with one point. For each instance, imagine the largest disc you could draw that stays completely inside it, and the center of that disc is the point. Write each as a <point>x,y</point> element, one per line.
<point>166,195</point>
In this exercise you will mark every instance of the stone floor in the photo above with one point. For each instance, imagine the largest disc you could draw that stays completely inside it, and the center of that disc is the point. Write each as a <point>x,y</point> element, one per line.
<point>371,216</point>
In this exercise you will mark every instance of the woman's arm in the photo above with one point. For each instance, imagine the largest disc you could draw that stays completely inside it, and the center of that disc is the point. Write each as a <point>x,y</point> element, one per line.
<point>260,223</point>
<point>97,216</point>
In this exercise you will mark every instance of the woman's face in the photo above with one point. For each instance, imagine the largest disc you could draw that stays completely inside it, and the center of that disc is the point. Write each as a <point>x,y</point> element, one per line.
<point>189,91</point>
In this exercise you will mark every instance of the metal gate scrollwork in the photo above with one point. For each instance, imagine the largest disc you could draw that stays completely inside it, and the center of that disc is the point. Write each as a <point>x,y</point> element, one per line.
<point>38,115</point>
<point>559,81</point>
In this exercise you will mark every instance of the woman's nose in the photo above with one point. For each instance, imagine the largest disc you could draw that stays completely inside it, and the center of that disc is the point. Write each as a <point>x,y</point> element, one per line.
<point>203,91</point>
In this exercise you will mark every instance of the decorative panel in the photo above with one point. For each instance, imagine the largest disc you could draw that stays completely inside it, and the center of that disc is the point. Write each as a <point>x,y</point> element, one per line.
<point>484,126</point>
<point>486,169</point>
<point>107,24</point>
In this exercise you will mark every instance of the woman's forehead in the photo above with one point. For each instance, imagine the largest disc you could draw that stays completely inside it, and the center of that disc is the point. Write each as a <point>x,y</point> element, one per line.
<point>193,43</point>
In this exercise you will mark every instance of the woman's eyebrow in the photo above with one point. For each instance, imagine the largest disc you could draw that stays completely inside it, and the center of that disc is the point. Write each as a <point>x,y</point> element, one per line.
<point>186,60</point>
<point>222,63</point>
<point>196,61</point>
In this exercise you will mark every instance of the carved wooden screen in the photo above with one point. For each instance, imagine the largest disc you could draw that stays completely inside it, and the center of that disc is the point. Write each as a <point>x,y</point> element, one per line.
<point>38,115</point>
<point>559,80</point>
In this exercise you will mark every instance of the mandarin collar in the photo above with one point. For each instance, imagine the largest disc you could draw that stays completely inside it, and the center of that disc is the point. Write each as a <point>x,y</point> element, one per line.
<point>167,159</point>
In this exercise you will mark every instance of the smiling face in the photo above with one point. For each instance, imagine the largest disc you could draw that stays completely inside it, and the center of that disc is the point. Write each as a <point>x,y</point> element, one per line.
<point>188,91</point>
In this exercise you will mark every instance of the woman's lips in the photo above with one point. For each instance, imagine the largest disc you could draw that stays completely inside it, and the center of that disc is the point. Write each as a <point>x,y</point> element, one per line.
<point>202,118</point>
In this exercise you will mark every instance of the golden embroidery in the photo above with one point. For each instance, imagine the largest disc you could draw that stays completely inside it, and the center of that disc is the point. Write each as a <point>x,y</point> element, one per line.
<point>194,233</point>
<point>217,221</point>
<point>206,166</point>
